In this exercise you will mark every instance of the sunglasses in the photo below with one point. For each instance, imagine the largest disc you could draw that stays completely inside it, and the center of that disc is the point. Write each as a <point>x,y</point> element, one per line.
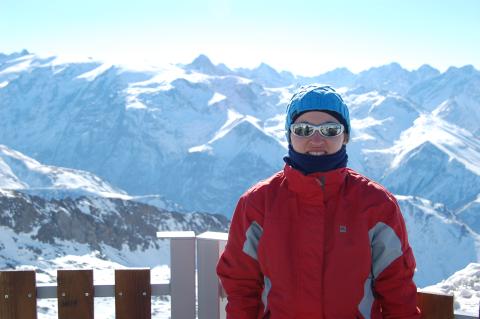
<point>330,129</point>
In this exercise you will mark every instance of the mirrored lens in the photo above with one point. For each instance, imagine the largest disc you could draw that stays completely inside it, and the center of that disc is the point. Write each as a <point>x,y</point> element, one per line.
<point>303,130</point>
<point>326,129</point>
<point>331,130</point>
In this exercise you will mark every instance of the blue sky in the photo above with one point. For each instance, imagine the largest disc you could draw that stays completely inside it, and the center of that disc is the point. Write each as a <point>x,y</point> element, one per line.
<point>304,37</point>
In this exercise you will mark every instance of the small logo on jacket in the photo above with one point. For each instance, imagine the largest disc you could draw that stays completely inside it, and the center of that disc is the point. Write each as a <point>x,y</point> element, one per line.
<point>343,228</point>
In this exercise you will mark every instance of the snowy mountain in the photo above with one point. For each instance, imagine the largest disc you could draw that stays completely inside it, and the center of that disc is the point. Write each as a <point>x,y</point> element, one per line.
<point>52,204</point>
<point>340,77</point>
<point>203,65</point>
<point>24,174</point>
<point>379,118</point>
<point>267,76</point>
<point>211,170</point>
<point>469,214</point>
<point>122,124</point>
<point>393,77</point>
<point>100,223</point>
<point>150,130</point>
<point>20,172</point>
<point>441,244</point>
<point>418,173</point>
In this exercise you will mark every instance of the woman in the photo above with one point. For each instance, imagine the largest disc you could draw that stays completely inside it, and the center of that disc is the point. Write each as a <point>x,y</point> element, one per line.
<point>318,240</point>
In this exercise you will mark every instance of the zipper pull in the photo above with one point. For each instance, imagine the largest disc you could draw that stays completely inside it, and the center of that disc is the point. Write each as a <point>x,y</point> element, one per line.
<point>321,182</point>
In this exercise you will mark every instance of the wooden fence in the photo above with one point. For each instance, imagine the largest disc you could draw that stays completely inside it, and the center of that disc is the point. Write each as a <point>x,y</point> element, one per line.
<point>75,291</point>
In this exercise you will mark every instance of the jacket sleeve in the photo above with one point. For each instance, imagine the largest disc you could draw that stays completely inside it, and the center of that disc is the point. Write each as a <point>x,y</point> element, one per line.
<point>393,266</point>
<point>238,268</point>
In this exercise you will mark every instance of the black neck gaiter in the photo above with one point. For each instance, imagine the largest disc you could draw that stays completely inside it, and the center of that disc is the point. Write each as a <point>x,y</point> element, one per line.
<point>309,164</point>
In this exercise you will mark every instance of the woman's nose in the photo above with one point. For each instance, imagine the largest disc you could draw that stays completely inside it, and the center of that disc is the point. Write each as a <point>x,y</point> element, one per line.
<point>317,137</point>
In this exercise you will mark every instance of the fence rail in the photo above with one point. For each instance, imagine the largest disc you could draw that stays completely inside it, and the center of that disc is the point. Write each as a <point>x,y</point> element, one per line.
<point>133,290</point>
<point>50,291</point>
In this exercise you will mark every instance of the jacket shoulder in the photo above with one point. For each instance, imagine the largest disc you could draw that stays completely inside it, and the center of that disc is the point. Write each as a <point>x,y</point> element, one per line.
<point>257,194</point>
<point>265,185</point>
<point>365,188</point>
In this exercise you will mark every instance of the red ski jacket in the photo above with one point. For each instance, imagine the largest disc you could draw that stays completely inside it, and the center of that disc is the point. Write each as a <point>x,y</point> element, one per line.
<point>327,245</point>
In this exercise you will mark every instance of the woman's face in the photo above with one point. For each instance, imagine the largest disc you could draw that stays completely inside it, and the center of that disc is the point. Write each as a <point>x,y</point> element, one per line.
<point>317,144</point>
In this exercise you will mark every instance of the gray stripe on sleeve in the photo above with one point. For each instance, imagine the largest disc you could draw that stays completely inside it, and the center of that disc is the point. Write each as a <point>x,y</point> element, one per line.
<point>266,291</point>
<point>365,306</point>
<point>253,234</point>
<point>386,247</point>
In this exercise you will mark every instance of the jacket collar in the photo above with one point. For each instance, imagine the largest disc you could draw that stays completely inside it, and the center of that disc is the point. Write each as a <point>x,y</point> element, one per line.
<point>322,184</point>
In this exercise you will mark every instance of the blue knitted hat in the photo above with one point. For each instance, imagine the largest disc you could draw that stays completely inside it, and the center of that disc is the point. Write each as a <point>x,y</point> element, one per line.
<point>317,98</point>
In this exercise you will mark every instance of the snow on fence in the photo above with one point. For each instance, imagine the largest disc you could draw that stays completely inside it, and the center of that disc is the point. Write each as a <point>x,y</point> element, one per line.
<point>133,291</point>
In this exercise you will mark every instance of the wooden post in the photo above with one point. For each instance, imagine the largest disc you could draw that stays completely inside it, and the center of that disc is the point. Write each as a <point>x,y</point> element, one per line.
<point>133,294</point>
<point>210,246</point>
<point>435,306</point>
<point>18,298</point>
<point>75,294</point>
<point>182,269</point>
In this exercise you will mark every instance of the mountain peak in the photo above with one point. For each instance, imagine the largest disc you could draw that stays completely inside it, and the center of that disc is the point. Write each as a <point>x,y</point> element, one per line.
<point>394,65</point>
<point>247,132</point>
<point>426,71</point>
<point>202,60</point>
<point>14,55</point>
<point>342,70</point>
<point>204,65</point>
<point>267,75</point>
<point>466,69</point>
<point>263,67</point>
<point>21,172</point>
<point>391,67</point>
<point>426,67</point>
